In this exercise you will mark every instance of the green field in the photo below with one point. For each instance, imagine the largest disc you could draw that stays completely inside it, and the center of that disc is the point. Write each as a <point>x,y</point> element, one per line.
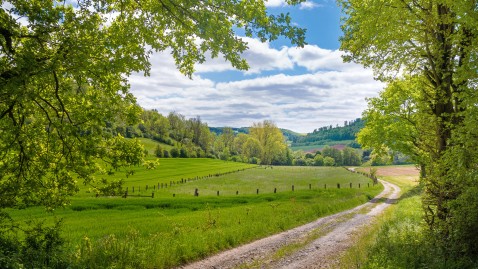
<point>166,231</point>
<point>150,145</point>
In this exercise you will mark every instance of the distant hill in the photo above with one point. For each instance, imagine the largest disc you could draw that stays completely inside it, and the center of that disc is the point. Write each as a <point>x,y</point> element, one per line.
<point>288,134</point>
<point>218,130</point>
<point>330,135</point>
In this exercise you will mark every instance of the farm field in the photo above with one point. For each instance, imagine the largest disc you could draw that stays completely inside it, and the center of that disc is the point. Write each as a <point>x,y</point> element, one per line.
<point>167,231</point>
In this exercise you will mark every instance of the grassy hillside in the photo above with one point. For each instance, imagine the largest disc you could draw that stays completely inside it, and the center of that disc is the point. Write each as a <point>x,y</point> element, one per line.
<point>150,145</point>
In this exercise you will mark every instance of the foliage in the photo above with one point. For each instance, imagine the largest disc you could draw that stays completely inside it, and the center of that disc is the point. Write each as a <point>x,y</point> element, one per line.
<point>42,247</point>
<point>425,51</point>
<point>271,141</point>
<point>64,68</point>
<point>399,239</point>
<point>329,161</point>
<point>326,134</point>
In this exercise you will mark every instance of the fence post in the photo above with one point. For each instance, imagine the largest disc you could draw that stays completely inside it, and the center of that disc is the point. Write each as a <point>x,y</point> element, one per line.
<point>196,192</point>
<point>237,192</point>
<point>257,191</point>
<point>217,193</point>
<point>338,185</point>
<point>359,185</point>
<point>125,194</point>
<point>292,187</point>
<point>350,184</point>
<point>146,187</point>
<point>275,190</point>
<point>310,186</point>
<point>152,194</point>
<point>325,186</point>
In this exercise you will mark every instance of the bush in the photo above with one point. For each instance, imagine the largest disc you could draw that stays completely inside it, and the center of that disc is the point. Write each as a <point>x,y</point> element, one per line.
<point>42,247</point>
<point>183,153</point>
<point>174,152</point>
<point>158,151</point>
<point>329,161</point>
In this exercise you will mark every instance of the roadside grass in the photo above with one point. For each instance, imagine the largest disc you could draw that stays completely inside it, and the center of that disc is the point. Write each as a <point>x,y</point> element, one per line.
<point>398,238</point>
<point>167,231</point>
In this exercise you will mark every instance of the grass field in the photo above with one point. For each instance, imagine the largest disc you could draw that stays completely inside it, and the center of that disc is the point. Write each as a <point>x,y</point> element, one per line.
<point>166,231</point>
<point>150,145</point>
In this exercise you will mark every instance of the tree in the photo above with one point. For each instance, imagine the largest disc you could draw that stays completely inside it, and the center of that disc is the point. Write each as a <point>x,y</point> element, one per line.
<point>318,160</point>
<point>158,151</point>
<point>63,74</point>
<point>271,140</point>
<point>334,154</point>
<point>239,141</point>
<point>329,161</point>
<point>430,46</point>
<point>174,152</point>
<point>252,148</point>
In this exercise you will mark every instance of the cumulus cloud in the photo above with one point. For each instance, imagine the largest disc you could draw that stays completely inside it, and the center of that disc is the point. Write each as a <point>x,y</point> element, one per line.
<point>275,3</point>
<point>309,5</point>
<point>329,92</point>
<point>260,57</point>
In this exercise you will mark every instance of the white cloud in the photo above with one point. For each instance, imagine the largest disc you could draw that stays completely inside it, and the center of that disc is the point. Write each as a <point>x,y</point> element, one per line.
<point>329,93</point>
<point>260,56</point>
<point>275,3</point>
<point>309,5</point>
<point>315,58</point>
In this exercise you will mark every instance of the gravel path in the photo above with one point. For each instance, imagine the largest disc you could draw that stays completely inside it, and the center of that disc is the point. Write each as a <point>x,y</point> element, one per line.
<point>314,245</point>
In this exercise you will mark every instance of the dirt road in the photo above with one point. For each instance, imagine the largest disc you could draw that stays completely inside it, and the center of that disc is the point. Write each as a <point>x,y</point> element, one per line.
<point>315,245</point>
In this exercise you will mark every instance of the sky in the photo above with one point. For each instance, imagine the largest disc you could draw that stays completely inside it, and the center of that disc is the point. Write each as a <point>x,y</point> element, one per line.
<point>300,89</point>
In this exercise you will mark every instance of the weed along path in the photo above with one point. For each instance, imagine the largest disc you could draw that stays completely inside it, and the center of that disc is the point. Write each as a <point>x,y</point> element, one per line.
<point>318,244</point>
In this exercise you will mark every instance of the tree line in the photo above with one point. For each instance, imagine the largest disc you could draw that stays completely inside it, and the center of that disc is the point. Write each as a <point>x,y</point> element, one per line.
<point>192,138</point>
<point>328,156</point>
<point>331,133</point>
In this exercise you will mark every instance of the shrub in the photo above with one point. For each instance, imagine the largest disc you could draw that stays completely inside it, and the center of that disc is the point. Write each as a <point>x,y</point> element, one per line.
<point>174,152</point>
<point>158,151</point>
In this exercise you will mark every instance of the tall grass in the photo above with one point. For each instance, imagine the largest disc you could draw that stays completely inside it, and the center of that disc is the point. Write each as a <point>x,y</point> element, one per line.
<point>400,238</point>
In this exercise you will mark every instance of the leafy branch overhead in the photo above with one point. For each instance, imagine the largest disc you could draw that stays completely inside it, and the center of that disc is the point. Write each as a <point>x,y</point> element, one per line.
<point>63,78</point>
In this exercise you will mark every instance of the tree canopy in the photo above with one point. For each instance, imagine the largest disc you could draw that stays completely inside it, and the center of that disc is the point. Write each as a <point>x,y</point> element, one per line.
<point>64,68</point>
<point>426,52</point>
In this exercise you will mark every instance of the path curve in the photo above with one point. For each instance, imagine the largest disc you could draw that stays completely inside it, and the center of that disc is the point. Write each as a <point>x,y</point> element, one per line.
<point>334,232</point>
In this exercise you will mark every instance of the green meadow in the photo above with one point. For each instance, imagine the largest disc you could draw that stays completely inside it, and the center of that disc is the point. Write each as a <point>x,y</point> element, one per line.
<point>176,227</point>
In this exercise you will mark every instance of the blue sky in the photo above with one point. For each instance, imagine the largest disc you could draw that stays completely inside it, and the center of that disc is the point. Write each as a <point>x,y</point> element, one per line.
<point>298,89</point>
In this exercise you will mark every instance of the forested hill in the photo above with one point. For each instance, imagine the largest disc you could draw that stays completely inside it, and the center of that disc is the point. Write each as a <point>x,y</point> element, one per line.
<point>288,134</point>
<point>326,134</point>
